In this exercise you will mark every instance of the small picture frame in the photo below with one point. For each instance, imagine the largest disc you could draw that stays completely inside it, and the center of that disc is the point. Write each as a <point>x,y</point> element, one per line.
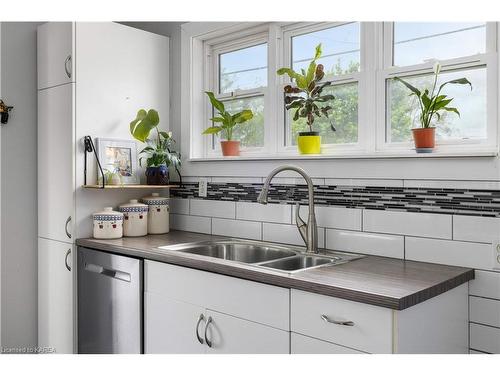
<point>119,156</point>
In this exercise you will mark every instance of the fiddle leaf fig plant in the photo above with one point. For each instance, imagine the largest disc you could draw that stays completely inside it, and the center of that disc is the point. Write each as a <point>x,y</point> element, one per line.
<point>433,103</point>
<point>226,120</point>
<point>306,95</point>
<point>157,152</point>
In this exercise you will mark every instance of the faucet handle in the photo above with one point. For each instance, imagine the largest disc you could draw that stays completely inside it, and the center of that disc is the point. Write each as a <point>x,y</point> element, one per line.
<point>301,225</point>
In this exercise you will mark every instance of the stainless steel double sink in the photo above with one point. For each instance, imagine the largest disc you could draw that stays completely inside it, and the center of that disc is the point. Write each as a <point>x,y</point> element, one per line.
<point>289,259</point>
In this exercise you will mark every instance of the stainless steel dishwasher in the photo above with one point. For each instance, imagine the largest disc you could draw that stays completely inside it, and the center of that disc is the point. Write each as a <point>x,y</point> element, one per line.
<point>110,290</point>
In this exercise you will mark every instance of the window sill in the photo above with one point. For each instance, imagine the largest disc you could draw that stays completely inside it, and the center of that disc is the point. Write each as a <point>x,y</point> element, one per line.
<point>375,155</point>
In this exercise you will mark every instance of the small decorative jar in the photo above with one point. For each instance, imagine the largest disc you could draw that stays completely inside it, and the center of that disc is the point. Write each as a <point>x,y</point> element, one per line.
<point>135,218</point>
<point>158,215</point>
<point>108,224</point>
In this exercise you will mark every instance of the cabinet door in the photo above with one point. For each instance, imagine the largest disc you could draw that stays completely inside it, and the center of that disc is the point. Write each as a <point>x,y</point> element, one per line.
<point>55,51</point>
<point>231,335</point>
<point>307,345</point>
<point>170,326</point>
<point>55,163</point>
<point>55,296</point>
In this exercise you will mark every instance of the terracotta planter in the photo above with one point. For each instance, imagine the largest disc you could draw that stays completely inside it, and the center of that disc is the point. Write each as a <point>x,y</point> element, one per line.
<point>230,148</point>
<point>424,139</point>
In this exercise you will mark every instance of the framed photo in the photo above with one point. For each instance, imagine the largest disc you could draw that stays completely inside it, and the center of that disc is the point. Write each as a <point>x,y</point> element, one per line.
<point>119,156</point>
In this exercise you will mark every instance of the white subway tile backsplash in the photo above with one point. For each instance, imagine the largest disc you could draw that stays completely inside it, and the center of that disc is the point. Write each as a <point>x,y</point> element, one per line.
<point>213,208</point>
<point>408,223</point>
<point>484,311</point>
<point>295,181</point>
<point>363,182</point>
<point>240,180</point>
<point>237,228</point>
<point>194,179</point>
<point>476,228</point>
<point>191,223</point>
<point>485,284</point>
<point>275,213</point>
<point>485,339</point>
<point>288,234</point>
<point>455,253</point>
<point>365,243</point>
<point>333,217</point>
<point>179,206</point>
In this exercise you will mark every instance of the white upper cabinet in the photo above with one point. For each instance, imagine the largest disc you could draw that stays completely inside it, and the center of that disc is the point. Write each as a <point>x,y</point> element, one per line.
<point>55,54</point>
<point>55,163</point>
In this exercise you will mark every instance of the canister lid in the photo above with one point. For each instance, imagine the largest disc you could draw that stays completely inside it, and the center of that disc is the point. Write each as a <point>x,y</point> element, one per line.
<point>155,199</point>
<point>107,214</point>
<point>133,206</point>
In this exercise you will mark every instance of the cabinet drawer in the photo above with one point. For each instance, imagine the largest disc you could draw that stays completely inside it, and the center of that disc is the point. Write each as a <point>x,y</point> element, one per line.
<point>307,345</point>
<point>371,332</point>
<point>485,311</point>
<point>249,300</point>
<point>485,284</point>
<point>485,339</point>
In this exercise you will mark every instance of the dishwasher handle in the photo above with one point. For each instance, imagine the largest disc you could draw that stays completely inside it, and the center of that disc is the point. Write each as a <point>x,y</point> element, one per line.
<point>115,274</point>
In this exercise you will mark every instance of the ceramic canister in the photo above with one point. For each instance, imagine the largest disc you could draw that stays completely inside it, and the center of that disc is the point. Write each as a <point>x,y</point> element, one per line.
<point>135,218</point>
<point>108,224</point>
<point>158,215</point>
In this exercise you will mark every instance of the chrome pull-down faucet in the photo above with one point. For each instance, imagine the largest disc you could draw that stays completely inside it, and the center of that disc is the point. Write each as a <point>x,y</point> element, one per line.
<point>309,230</point>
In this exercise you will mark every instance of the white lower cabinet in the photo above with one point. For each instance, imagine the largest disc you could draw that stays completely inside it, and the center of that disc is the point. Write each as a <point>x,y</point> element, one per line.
<point>185,308</point>
<point>301,344</point>
<point>55,296</point>
<point>192,311</point>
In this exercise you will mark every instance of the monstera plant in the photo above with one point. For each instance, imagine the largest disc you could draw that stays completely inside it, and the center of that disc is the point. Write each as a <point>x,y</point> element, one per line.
<point>306,99</point>
<point>158,154</point>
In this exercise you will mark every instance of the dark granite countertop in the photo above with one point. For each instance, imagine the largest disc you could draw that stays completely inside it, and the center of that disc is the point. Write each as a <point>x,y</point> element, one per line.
<point>386,282</point>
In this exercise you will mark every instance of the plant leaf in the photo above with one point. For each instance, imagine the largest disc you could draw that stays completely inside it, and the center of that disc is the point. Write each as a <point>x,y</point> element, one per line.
<point>243,116</point>
<point>217,104</point>
<point>451,109</point>
<point>144,123</point>
<point>460,81</point>
<point>410,87</point>
<point>317,55</point>
<point>217,119</point>
<point>212,130</point>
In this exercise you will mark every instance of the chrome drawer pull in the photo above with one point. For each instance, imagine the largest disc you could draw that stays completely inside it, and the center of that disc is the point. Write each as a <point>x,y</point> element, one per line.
<point>66,69</point>
<point>341,323</point>
<point>68,267</point>
<point>209,343</point>
<point>200,319</point>
<point>68,220</point>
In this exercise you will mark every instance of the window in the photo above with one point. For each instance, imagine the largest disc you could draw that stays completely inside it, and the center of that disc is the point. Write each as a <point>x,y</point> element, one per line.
<point>463,51</point>
<point>372,114</point>
<point>341,59</point>
<point>239,81</point>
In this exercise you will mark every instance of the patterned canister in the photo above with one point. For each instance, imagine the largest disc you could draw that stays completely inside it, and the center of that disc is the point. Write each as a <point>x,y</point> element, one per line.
<point>135,218</point>
<point>158,215</point>
<point>108,224</point>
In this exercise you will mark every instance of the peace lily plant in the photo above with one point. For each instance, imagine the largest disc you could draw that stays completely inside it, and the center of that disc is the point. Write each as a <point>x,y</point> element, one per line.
<point>306,98</point>
<point>432,104</point>
<point>225,123</point>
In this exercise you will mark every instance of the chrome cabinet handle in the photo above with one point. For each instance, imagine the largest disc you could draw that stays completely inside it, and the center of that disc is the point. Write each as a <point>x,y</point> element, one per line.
<point>200,319</point>
<point>66,227</point>
<point>66,260</point>
<point>66,69</point>
<point>209,343</point>
<point>339,322</point>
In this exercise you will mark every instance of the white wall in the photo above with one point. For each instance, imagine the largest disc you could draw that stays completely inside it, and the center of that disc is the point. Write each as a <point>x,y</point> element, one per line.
<point>18,188</point>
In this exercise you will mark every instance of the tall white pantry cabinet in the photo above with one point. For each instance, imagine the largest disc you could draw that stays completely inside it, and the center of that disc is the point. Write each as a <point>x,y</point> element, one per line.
<point>92,79</point>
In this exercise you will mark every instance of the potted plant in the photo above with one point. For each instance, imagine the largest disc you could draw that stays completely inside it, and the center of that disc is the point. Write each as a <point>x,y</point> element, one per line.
<point>158,155</point>
<point>227,123</point>
<point>307,99</point>
<point>431,104</point>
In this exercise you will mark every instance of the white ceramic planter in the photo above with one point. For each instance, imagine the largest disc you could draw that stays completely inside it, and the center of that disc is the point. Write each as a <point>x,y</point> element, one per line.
<point>135,218</point>
<point>158,214</point>
<point>108,224</point>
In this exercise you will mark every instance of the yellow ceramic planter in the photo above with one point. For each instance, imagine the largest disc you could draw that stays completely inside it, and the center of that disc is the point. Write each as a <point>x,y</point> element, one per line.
<point>309,144</point>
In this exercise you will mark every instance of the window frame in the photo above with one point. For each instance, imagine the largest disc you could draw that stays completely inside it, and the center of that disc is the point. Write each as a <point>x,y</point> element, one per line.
<point>203,42</point>
<point>488,60</point>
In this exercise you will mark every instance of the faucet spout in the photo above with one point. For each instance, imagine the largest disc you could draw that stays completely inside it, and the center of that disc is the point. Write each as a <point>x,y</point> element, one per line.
<point>309,230</point>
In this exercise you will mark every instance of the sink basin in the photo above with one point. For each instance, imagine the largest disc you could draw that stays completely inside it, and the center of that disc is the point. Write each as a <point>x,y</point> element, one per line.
<point>238,251</point>
<point>301,262</point>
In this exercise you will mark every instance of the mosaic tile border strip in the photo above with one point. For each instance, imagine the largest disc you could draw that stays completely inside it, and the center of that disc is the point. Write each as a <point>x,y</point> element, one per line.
<point>428,200</point>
